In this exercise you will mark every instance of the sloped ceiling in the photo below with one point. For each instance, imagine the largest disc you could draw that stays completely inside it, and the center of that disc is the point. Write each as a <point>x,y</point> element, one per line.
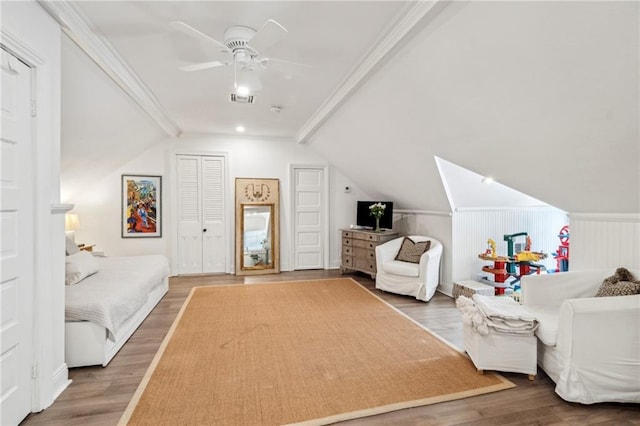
<point>466,189</point>
<point>543,96</point>
<point>102,128</point>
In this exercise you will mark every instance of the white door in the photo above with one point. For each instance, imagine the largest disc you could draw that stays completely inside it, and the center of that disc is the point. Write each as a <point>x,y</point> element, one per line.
<point>201,219</point>
<point>308,201</point>
<point>213,241</point>
<point>16,247</point>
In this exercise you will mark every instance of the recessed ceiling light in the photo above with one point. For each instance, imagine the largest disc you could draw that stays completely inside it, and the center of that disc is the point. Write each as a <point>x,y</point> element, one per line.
<point>487,180</point>
<point>242,90</point>
<point>240,129</point>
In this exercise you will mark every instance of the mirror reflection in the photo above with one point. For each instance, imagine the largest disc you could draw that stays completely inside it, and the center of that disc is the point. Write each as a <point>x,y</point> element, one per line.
<point>257,236</point>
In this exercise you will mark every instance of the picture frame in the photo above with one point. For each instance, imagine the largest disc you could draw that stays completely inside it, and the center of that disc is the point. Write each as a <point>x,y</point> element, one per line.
<point>141,209</point>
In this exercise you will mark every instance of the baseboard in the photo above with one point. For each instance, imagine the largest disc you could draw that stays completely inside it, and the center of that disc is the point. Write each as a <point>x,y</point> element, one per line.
<point>60,381</point>
<point>446,288</point>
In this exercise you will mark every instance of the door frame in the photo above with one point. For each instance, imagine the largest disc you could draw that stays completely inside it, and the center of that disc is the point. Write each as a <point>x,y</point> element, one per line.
<point>171,193</point>
<point>47,359</point>
<point>325,211</point>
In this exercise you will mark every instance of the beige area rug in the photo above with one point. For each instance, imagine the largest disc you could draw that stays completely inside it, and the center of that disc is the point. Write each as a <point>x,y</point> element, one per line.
<point>311,352</point>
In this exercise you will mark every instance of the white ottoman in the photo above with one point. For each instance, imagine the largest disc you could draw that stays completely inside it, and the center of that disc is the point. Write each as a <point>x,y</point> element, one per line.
<point>516,353</point>
<point>469,287</point>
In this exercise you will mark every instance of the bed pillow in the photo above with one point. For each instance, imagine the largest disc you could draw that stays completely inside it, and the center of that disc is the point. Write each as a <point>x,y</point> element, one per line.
<point>79,266</point>
<point>411,252</point>
<point>70,246</point>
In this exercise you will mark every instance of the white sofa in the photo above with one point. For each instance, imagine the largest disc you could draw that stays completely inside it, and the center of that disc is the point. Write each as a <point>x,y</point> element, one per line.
<point>589,346</point>
<point>419,280</point>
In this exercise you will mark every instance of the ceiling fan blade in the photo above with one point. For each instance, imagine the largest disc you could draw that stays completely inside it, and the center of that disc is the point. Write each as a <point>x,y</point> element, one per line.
<point>266,61</point>
<point>204,66</point>
<point>192,32</point>
<point>267,35</point>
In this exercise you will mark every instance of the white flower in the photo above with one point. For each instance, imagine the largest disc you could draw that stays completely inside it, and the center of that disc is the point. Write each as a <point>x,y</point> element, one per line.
<point>377,209</point>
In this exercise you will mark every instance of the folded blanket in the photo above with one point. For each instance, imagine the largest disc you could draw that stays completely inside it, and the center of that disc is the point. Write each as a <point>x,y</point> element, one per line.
<point>498,314</point>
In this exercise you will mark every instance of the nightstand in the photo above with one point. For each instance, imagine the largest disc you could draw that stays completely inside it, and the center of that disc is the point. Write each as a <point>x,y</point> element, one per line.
<point>86,247</point>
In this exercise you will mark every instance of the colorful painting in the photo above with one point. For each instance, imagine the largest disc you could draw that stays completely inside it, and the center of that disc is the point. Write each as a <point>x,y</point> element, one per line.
<point>141,213</point>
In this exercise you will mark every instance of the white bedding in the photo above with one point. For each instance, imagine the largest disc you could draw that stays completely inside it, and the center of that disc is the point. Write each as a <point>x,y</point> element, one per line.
<point>501,314</point>
<point>109,297</point>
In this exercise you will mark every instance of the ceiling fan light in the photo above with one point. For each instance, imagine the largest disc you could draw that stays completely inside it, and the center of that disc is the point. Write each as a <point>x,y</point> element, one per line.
<point>242,90</point>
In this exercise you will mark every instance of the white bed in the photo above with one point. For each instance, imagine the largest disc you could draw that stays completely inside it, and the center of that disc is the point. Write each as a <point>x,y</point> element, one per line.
<point>104,309</point>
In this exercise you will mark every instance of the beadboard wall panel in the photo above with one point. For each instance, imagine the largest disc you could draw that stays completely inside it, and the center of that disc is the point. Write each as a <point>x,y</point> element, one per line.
<point>604,242</point>
<point>472,228</point>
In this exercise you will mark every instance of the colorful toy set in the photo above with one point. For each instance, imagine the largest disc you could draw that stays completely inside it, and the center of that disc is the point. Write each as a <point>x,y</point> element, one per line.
<point>504,267</point>
<point>562,254</point>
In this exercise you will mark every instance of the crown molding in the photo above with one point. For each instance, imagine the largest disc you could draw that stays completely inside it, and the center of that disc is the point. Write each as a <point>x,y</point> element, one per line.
<point>415,13</point>
<point>422,212</point>
<point>78,28</point>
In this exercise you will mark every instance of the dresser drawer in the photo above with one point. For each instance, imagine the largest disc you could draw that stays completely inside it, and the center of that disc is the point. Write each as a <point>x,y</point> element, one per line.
<point>359,249</point>
<point>360,253</point>
<point>365,265</point>
<point>370,245</point>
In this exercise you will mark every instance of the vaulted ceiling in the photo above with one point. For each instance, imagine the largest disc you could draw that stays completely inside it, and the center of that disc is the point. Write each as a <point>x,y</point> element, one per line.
<point>541,95</point>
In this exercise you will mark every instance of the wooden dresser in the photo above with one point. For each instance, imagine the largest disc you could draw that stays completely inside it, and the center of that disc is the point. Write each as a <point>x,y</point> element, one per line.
<point>359,249</point>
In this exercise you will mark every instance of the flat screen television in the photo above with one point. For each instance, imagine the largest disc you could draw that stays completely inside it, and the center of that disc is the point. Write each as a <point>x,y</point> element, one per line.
<point>364,219</point>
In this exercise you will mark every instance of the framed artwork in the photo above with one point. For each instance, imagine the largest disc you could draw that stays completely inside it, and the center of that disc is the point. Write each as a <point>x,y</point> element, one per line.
<point>141,209</point>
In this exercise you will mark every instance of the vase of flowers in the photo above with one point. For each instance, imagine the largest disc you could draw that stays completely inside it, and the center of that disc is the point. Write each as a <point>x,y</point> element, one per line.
<point>377,210</point>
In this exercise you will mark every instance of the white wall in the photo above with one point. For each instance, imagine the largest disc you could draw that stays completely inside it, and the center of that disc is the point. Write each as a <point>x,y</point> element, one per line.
<point>33,36</point>
<point>98,205</point>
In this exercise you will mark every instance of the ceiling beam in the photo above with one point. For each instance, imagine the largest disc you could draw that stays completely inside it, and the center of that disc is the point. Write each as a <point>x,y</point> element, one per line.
<point>412,16</point>
<point>78,28</point>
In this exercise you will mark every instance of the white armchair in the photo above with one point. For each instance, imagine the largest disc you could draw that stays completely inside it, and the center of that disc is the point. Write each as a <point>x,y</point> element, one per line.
<point>589,346</point>
<point>419,280</point>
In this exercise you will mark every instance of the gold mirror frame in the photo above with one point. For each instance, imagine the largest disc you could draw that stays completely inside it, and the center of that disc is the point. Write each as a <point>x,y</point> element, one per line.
<point>257,226</point>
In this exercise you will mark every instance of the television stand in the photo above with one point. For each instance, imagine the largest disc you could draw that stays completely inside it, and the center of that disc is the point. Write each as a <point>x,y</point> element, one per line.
<point>359,249</point>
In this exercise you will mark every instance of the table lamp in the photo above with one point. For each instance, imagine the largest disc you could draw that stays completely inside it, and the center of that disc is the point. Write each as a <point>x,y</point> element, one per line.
<point>71,223</point>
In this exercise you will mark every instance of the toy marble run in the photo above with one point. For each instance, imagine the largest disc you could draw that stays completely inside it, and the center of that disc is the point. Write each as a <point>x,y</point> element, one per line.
<point>505,266</point>
<point>562,254</point>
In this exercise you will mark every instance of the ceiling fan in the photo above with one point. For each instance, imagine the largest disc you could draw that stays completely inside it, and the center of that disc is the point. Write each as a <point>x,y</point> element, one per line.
<point>243,47</point>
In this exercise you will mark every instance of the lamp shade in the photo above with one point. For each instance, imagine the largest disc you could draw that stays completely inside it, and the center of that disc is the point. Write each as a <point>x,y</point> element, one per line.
<point>71,222</point>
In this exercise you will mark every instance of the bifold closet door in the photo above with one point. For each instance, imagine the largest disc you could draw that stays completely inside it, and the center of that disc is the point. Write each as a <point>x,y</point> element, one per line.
<point>201,214</point>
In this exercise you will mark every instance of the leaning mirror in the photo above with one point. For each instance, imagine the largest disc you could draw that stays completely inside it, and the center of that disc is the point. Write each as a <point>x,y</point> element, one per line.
<point>257,236</point>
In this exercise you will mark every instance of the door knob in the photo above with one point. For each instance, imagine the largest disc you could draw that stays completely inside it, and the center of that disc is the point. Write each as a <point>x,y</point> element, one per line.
<point>204,230</point>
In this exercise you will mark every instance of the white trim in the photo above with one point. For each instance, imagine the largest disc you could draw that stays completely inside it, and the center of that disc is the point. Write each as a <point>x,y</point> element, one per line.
<point>78,28</point>
<point>605,217</point>
<point>413,14</point>
<point>504,208</point>
<point>326,211</point>
<point>422,212</point>
<point>60,380</point>
<point>45,79</point>
<point>60,208</point>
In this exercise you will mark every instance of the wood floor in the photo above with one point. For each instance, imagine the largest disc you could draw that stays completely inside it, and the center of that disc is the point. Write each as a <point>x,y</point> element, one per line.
<point>98,396</point>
